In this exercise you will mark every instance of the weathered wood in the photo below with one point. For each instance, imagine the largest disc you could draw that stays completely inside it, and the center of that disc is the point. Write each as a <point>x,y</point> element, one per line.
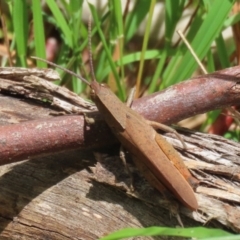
<point>56,197</point>
<point>217,90</point>
<point>70,195</point>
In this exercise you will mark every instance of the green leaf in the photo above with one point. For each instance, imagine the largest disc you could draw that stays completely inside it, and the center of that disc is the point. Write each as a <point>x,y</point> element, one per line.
<point>205,35</point>
<point>20,24</point>
<point>39,35</point>
<point>195,232</point>
<point>135,18</point>
<point>108,52</point>
<point>60,20</point>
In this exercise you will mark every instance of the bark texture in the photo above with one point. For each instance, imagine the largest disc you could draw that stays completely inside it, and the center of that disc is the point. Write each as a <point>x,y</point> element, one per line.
<point>64,193</point>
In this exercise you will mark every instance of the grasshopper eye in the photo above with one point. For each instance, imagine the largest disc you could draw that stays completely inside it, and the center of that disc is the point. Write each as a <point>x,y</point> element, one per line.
<point>104,85</point>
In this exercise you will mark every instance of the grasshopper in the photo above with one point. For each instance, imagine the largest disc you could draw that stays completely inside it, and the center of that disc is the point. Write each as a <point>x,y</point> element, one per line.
<point>158,161</point>
<point>151,153</point>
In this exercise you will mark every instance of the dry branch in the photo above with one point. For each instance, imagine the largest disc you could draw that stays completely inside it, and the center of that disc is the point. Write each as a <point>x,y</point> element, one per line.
<point>213,160</point>
<point>189,98</point>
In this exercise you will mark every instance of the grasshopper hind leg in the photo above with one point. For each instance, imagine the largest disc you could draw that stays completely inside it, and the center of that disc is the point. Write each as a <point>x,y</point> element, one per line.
<point>157,125</point>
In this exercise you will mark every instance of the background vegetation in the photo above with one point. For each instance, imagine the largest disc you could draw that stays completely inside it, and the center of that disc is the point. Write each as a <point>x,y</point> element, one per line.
<point>123,56</point>
<point>152,58</point>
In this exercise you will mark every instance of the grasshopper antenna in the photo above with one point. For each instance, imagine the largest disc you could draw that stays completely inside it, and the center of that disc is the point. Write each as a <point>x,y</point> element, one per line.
<point>90,49</point>
<point>90,59</point>
<point>62,68</point>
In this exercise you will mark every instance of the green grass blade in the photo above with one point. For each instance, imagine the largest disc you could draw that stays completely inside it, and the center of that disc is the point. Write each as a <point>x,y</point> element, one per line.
<point>174,10</point>
<point>197,232</point>
<point>135,57</point>
<point>39,35</point>
<point>232,20</point>
<point>66,5</point>
<point>144,47</point>
<point>210,62</point>
<point>107,50</point>
<point>158,71</point>
<point>118,25</point>
<point>205,35</point>
<point>222,52</point>
<point>172,65</point>
<point>20,25</point>
<point>173,13</point>
<point>75,25</point>
<point>134,19</point>
<point>76,19</point>
<point>60,20</point>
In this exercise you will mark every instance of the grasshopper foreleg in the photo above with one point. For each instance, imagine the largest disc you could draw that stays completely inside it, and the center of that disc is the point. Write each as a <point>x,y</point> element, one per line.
<point>131,96</point>
<point>121,152</point>
<point>123,158</point>
<point>88,120</point>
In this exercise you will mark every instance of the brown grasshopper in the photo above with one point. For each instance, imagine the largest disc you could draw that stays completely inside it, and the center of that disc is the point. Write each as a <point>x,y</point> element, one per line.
<point>158,161</point>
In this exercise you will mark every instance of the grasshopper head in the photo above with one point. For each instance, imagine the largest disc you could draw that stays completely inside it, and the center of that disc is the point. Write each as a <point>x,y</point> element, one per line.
<point>95,89</point>
<point>98,90</point>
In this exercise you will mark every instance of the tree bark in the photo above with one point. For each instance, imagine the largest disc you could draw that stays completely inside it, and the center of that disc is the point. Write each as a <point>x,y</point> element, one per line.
<point>66,194</point>
<point>59,196</point>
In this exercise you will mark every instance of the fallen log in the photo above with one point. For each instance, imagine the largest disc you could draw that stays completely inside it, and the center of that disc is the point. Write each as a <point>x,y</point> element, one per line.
<point>63,192</point>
